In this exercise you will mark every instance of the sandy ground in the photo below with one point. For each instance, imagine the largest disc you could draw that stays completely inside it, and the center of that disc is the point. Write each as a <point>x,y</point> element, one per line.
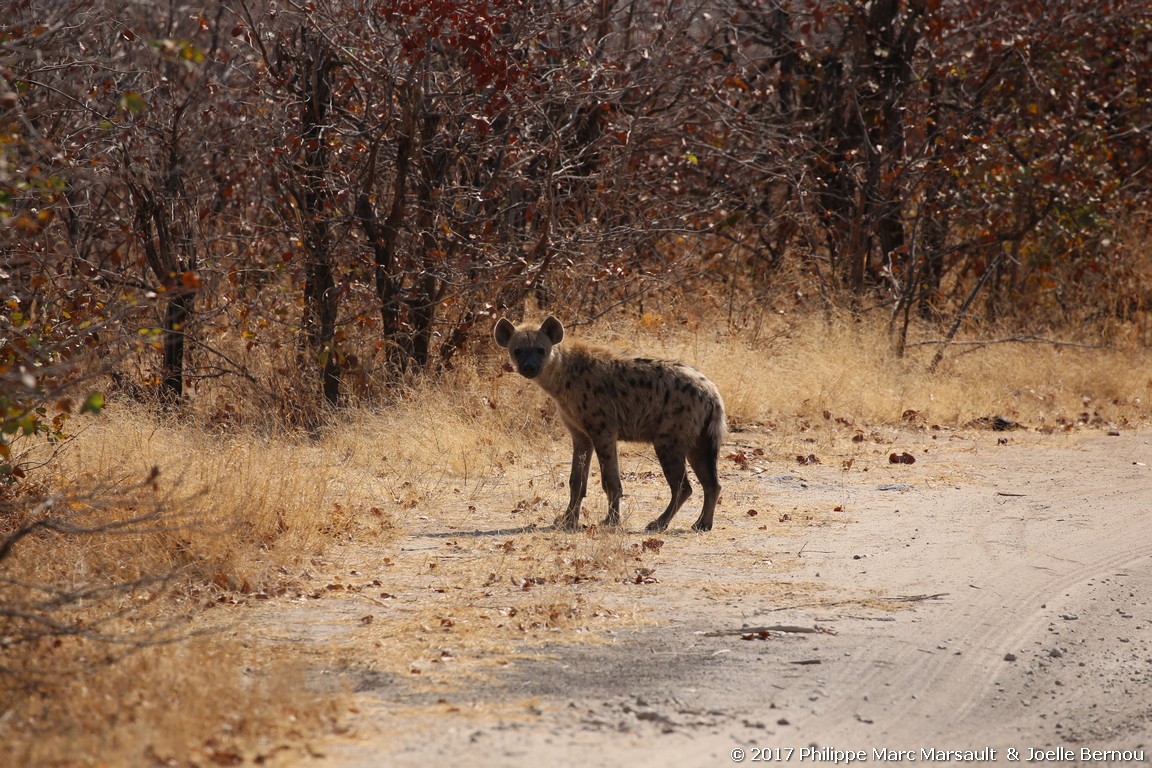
<point>994,595</point>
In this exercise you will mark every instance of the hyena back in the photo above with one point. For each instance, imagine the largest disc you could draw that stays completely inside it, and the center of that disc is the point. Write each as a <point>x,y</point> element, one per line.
<point>603,397</point>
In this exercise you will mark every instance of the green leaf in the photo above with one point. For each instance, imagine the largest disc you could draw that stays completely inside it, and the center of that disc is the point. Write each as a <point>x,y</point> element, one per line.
<point>192,53</point>
<point>183,49</point>
<point>30,424</point>
<point>131,101</point>
<point>93,404</point>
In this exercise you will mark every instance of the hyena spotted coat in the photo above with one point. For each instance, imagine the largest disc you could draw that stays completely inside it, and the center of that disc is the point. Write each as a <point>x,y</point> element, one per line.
<point>604,397</point>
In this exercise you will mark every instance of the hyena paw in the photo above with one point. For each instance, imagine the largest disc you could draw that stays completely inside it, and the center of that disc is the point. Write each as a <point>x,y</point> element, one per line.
<point>567,523</point>
<point>610,521</point>
<point>656,526</point>
<point>701,527</point>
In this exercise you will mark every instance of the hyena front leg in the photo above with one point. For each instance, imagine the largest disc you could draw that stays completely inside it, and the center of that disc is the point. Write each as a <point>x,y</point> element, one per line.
<point>610,477</point>
<point>577,481</point>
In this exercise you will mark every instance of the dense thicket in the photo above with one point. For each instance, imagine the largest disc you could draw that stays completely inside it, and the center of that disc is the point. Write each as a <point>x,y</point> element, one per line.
<point>312,198</point>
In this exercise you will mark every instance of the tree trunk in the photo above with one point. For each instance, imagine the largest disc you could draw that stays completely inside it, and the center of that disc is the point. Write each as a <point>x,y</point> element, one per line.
<point>176,315</point>
<point>320,297</point>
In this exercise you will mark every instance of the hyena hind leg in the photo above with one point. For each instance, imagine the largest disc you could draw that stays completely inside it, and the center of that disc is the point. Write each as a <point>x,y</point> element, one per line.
<point>703,458</point>
<point>672,463</point>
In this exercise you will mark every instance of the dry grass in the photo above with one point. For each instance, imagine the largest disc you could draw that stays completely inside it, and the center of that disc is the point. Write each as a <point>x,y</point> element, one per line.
<point>410,530</point>
<point>245,507</point>
<point>802,369</point>
<point>201,701</point>
<point>141,657</point>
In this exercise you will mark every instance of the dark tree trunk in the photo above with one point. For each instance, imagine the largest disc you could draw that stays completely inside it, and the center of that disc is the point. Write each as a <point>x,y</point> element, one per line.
<point>320,296</point>
<point>176,314</point>
<point>155,232</point>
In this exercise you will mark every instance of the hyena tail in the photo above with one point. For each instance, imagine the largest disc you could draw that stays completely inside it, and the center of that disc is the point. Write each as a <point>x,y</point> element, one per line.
<point>703,458</point>
<point>716,429</point>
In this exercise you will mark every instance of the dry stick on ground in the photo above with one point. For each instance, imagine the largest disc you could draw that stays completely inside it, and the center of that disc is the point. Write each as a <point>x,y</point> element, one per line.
<point>782,628</point>
<point>914,598</point>
<point>859,600</point>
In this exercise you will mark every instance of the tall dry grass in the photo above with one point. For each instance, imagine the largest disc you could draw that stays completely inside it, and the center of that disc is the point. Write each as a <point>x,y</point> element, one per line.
<point>119,639</point>
<point>802,368</point>
<point>245,513</point>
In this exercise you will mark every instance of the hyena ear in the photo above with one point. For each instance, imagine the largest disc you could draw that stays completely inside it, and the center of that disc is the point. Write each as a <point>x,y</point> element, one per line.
<point>503,332</point>
<point>553,329</point>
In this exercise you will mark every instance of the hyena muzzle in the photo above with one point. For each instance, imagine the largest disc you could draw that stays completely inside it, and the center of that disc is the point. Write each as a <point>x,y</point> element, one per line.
<point>603,397</point>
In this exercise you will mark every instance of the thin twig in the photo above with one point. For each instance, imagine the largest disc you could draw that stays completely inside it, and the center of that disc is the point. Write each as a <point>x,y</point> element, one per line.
<point>1010,340</point>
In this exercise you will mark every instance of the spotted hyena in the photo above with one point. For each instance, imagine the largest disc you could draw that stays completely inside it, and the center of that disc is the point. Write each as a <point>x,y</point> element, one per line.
<point>604,397</point>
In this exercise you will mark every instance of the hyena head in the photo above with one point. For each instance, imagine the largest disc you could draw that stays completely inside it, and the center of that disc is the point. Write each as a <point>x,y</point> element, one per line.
<point>529,347</point>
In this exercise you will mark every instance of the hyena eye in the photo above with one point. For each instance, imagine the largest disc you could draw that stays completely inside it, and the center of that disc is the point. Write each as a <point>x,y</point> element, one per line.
<point>539,350</point>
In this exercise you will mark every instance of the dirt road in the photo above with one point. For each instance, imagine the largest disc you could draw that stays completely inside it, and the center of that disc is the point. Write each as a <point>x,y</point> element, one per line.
<point>987,597</point>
